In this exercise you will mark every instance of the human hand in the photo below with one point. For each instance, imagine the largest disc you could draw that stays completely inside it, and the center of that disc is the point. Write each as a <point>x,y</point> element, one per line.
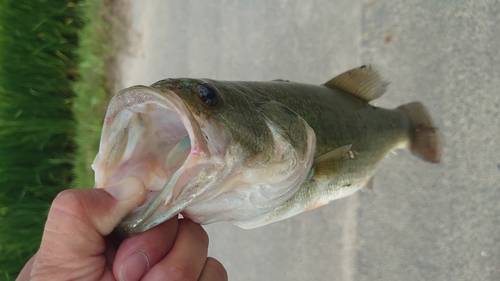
<point>76,244</point>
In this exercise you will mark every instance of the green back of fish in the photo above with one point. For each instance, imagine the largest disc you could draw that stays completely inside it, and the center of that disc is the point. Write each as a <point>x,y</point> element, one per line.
<point>337,118</point>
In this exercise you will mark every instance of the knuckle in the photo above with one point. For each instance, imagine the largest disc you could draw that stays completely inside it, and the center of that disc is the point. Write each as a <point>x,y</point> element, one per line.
<point>66,212</point>
<point>75,203</point>
<point>199,232</point>
<point>68,201</point>
<point>180,273</point>
<point>203,237</point>
<point>217,268</point>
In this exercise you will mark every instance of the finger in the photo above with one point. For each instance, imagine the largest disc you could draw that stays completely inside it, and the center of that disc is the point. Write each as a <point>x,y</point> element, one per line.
<point>26,271</point>
<point>81,217</point>
<point>188,255</point>
<point>213,270</point>
<point>139,253</point>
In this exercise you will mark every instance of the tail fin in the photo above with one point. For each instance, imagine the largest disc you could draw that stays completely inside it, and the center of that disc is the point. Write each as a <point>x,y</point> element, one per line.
<point>426,141</point>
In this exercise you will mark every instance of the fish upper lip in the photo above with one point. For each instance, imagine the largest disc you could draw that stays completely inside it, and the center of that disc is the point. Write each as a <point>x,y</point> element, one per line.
<point>127,98</point>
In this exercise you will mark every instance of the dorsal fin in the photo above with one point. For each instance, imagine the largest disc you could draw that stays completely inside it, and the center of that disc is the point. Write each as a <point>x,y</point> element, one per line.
<point>364,82</point>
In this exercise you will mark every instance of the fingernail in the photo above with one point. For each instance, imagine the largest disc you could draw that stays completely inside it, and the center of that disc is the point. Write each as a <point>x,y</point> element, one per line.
<point>134,267</point>
<point>126,188</point>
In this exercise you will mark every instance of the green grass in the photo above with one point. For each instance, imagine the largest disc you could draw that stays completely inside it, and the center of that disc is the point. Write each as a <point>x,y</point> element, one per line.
<point>93,88</point>
<point>49,124</point>
<point>37,43</point>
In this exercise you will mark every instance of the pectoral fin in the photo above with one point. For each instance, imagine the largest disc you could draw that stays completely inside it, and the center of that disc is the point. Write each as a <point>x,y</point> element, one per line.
<point>328,163</point>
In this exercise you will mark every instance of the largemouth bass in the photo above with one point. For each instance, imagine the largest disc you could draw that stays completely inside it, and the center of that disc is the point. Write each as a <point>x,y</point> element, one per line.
<point>252,153</point>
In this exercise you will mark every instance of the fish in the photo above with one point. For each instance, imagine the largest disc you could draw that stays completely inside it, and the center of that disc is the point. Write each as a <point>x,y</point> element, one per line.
<point>253,153</point>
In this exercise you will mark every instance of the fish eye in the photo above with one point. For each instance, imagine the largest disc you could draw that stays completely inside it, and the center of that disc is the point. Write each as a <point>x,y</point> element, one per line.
<point>208,94</point>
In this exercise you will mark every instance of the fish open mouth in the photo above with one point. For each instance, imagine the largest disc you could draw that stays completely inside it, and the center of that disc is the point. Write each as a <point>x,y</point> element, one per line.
<point>149,134</point>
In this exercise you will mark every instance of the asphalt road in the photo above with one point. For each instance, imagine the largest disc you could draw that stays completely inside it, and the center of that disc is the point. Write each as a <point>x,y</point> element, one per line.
<point>422,221</point>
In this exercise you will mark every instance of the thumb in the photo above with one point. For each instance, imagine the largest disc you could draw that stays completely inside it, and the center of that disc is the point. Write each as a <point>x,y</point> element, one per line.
<point>129,193</point>
<point>87,212</point>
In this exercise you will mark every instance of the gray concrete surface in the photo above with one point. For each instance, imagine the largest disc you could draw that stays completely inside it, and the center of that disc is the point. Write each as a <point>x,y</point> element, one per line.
<point>422,222</point>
